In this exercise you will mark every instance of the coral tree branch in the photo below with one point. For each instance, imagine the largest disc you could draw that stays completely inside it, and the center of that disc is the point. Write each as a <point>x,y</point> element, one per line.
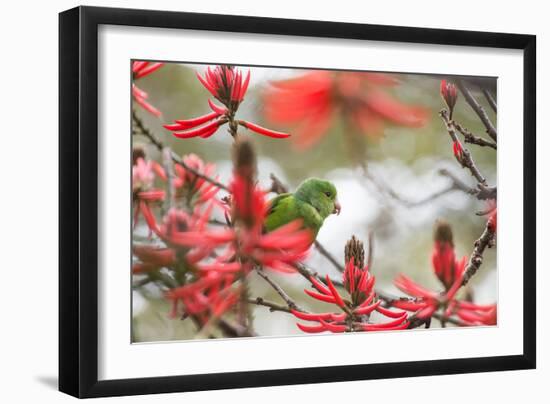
<point>479,110</point>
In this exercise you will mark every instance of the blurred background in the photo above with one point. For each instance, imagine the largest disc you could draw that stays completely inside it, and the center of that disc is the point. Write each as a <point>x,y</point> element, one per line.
<point>404,159</point>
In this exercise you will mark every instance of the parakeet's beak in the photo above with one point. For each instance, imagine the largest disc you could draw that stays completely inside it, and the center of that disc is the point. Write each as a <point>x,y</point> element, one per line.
<point>337,207</point>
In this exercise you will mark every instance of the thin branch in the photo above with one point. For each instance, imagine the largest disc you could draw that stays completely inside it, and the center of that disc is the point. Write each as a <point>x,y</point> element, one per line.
<point>490,100</point>
<point>416,322</point>
<point>390,299</point>
<point>234,330</point>
<point>276,185</point>
<point>324,252</point>
<point>467,161</point>
<point>481,193</point>
<point>457,182</point>
<point>143,130</point>
<point>384,188</point>
<point>469,137</point>
<point>259,301</point>
<point>288,300</point>
<point>491,131</point>
<point>169,170</point>
<point>486,240</point>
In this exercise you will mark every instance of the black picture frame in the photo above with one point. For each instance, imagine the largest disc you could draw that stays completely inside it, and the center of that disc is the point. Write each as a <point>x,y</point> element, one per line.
<point>78,200</point>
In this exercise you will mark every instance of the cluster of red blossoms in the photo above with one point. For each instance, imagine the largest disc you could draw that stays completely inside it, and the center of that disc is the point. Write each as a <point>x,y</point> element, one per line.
<point>449,270</point>
<point>310,103</point>
<point>191,189</point>
<point>228,85</point>
<point>207,260</point>
<point>356,309</point>
<point>141,69</point>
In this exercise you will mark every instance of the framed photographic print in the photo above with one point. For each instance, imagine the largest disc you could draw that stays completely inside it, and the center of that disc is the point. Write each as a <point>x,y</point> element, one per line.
<point>252,201</point>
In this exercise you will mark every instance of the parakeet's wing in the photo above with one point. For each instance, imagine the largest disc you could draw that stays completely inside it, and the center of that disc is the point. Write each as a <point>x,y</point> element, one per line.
<point>285,208</point>
<point>282,210</point>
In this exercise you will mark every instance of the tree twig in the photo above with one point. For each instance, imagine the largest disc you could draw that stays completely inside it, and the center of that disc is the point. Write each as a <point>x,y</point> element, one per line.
<point>467,161</point>
<point>384,188</point>
<point>469,137</point>
<point>325,253</point>
<point>260,301</point>
<point>490,100</point>
<point>288,300</point>
<point>486,240</point>
<point>276,185</point>
<point>481,192</point>
<point>479,110</point>
<point>167,161</point>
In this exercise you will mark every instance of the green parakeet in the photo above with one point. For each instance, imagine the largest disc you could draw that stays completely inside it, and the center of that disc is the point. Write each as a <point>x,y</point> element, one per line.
<point>313,202</point>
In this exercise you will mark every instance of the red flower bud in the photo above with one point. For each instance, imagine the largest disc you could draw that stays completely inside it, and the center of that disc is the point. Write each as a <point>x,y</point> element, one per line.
<point>458,151</point>
<point>449,94</point>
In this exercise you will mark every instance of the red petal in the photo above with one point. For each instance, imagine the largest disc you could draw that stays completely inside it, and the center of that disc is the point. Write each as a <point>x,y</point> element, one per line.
<point>219,110</point>
<point>389,313</point>
<point>182,124</point>
<point>264,131</point>
<point>333,327</point>
<point>312,329</point>
<point>367,309</point>
<point>318,296</point>
<point>203,131</point>
<point>207,85</point>
<point>310,316</point>
<point>221,267</point>
<point>138,65</point>
<point>151,196</point>
<point>148,107</point>
<point>335,293</point>
<point>148,70</point>
<point>319,286</point>
<point>244,87</point>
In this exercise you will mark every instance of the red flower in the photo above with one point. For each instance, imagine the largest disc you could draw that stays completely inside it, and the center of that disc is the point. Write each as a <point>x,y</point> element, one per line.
<point>143,176</point>
<point>220,256</point>
<point>311,102</point>
<point>472,314</point>
<point>446,267</point>
<point>208,298</point>
<point>277,250</point>
<point>449,94</point>
<point>225,83</point>
<point>141,69</point>
<point>228,85</point>
<point>450,272</point>
<point>152,258</point>
<point>426,302</point>
<point>194,187</point>
<point>355,311</point>
<point>445,264</point>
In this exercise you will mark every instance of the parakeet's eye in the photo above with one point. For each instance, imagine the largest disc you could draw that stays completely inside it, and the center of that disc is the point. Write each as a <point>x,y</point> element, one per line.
<point>328,194</point>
